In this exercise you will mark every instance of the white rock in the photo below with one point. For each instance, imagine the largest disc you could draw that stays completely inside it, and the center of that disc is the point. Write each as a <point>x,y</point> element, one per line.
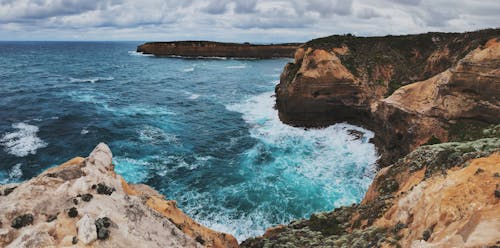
<point>87,232</point>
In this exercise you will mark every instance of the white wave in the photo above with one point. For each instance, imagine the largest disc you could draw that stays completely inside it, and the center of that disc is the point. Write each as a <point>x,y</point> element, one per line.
<point>326,164</point>
<point>156,135</point>
<point>195,57</point>
<point>23,141</point>
<point>84,131</point>
<point>193,96</point>
<point>14,174</point>
<point>190,69</point>
<point>135,53</point>
<point>236,67</point>
<point>274,82</point>
<point>90,80</point>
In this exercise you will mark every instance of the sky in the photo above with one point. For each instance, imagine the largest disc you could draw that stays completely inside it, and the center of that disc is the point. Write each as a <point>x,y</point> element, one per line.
<point>259,21</point>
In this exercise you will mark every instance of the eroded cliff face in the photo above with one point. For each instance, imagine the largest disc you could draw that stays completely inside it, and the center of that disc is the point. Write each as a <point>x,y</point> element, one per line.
<point>83,203</point>
<point>416,92</point>
<point>443,195</point>
<point>408,89</point>
<point>218,49</point>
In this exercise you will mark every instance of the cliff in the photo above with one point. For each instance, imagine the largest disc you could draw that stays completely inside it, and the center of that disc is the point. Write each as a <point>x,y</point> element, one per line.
<point>218,49</point>
<point>417,93</point>
<point>409,90</point>
<point>83,203</point>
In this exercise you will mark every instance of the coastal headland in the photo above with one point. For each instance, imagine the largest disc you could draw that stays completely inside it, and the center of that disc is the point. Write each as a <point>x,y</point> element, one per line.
<point>219,49</point>
<point>432,100</point>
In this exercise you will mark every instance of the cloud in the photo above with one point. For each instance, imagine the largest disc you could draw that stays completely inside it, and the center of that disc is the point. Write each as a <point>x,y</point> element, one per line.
<point>407,2</point>
<point>22,10</point>
<point>330,7</point>
<point>367,13</point>
<point>216,7</point>
<point>243,7</point>
<point>237,20</point>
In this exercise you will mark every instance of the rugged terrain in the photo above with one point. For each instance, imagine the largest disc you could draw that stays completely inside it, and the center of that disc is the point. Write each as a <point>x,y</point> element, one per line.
<point>218,49</point>
<point>83,203</point>
<point>443,195</point>
<point>432,100</point>
<point>408,89</point>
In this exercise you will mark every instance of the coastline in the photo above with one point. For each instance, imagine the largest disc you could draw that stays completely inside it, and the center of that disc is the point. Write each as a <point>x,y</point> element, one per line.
<point>433,163</point>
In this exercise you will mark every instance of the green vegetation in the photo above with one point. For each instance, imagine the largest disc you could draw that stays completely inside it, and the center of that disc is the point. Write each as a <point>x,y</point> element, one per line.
<point>467,130</point>
<point>407,54</point>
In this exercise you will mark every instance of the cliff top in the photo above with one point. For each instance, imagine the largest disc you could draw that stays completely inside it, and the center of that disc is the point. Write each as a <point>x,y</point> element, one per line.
<point>207,43</point>
<point>402,41</point>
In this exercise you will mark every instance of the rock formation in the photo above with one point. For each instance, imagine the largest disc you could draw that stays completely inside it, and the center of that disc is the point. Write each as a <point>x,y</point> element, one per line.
<point>415,92</point>
<point>84,203</point>
<point>432,100</point>
<point>443,195</point>
<point>407,89</point>
<point>218,49</point>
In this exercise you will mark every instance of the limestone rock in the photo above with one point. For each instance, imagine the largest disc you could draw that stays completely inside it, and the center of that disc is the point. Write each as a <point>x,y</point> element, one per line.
<point>66,201</point>
<point>440,201</point>
<point>87,232</point>
<point>407,89</point>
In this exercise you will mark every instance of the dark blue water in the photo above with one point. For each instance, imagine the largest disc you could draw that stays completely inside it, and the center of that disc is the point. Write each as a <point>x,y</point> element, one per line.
<point>201,131</point>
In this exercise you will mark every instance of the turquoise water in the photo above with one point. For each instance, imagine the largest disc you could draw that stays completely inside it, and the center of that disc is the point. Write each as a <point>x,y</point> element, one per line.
<point>201,131</point>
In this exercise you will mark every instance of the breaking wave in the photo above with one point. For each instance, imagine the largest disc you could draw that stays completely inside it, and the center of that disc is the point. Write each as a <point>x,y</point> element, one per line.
<point>22,142</point>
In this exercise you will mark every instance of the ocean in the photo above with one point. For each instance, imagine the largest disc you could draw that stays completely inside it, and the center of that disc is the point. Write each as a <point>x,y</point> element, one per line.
<point>203,132</point>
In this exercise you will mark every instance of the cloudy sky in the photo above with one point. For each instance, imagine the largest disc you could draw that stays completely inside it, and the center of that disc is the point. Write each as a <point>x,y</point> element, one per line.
<point>237,20</point>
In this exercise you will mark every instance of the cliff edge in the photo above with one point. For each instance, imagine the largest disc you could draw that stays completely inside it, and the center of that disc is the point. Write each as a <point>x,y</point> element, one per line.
<point>84,203</point>
<point>432,101</point>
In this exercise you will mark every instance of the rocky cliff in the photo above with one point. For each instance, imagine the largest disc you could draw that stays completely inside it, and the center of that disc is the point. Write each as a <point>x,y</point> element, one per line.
<point>417,93</point>
<point>408,89</point>
<point>83,203</point>
<point>443,195</point>
<point>218,49</point>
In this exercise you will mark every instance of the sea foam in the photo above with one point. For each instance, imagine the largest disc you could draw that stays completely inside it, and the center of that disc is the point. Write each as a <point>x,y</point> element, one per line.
<point>289,173</point>
<point>23,141</point>
<point>135,53</point>
<point>90,79</point>
<point>14,174</point>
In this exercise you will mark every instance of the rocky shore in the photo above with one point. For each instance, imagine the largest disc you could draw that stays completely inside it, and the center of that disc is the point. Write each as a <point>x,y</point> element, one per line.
<point>432,101</point>
<point>218,49</point>
<point>84,203</point>
<point>409,90</point>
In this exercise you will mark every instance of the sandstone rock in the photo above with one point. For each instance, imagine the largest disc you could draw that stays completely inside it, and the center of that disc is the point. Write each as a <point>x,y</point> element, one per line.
<point>452,209</point>
<point>430,82</point>
<point>6,236</point>
<point>127,217</point>
<point>87,232</point>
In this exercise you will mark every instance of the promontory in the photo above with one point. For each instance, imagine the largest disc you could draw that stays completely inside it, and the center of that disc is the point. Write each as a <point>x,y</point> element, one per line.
<point>219,49</point>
